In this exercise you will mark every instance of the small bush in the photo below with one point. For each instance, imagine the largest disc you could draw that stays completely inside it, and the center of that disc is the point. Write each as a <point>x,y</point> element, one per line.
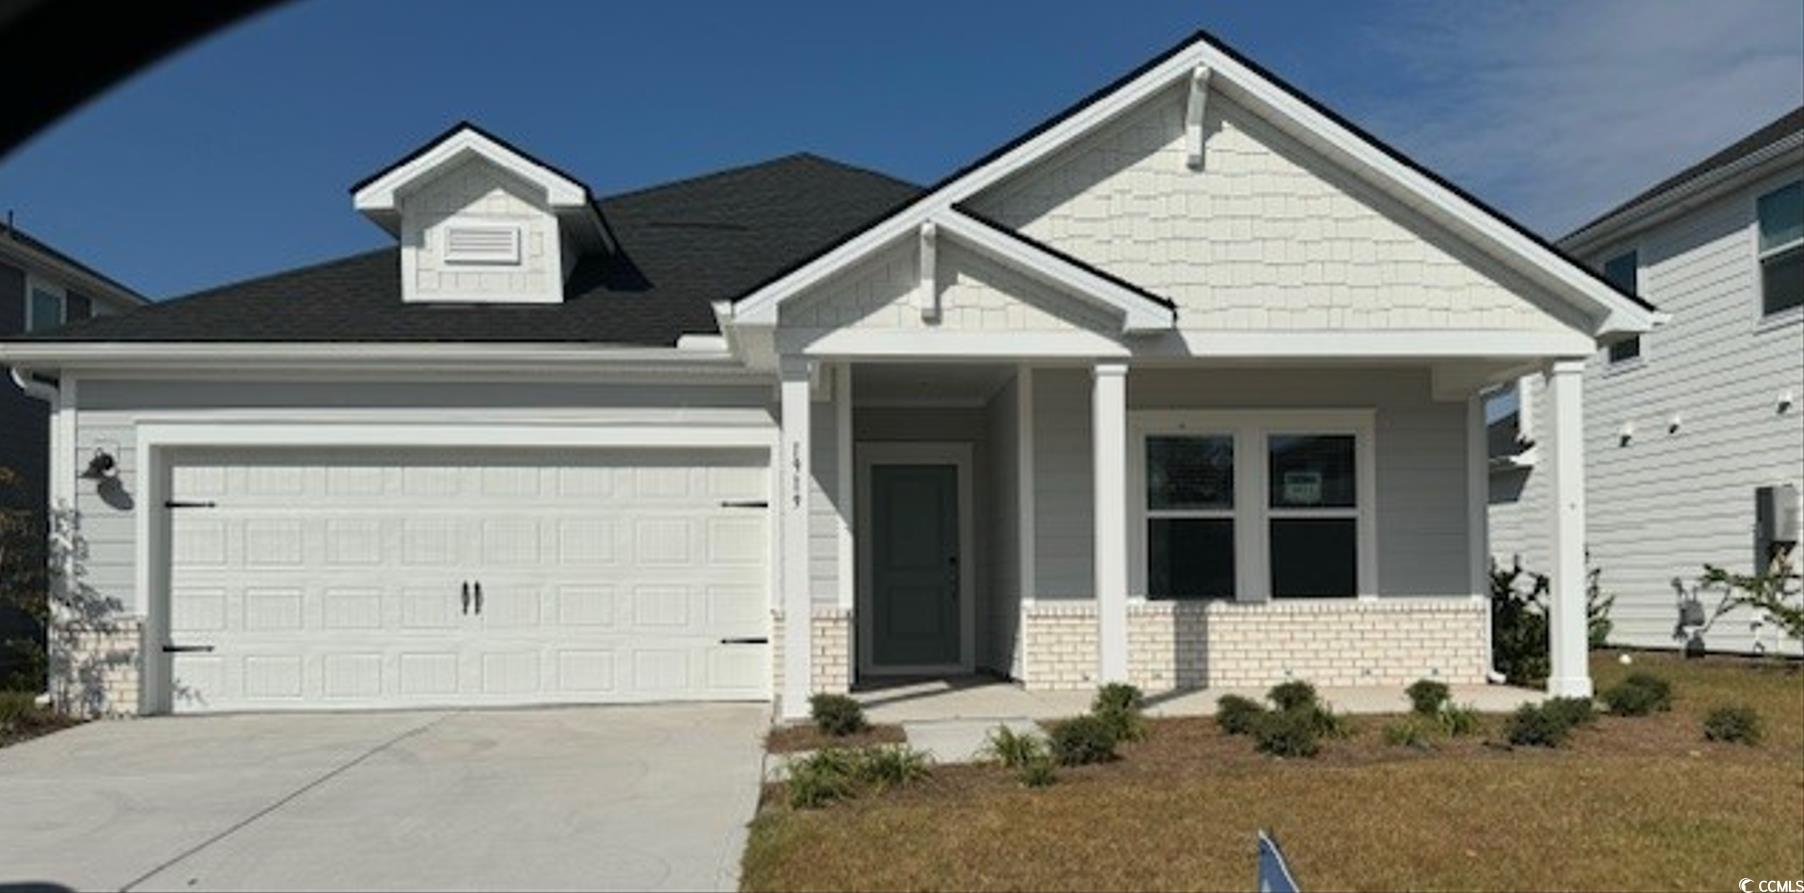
<point>1083,740</point>
<point>1532,725</point>
<point>837,715</point>
<point>1739,724</point>
<point>1459,721</point>
<point>1015,750</point>
<point>1236,715</point>
<point>820,779</point>
<point>1292,695</point>
<point>1629,699</point>
<point>1574,712</point>
<point>882,768</point>
<point>1040,772</point>
<point>1118,696</point>
<point>1287,733</point>
<point>18,708</point>
<point>1327,723</point>
<point>1411,731</point>
<point>1428,696</point>
<point>1658,688</point>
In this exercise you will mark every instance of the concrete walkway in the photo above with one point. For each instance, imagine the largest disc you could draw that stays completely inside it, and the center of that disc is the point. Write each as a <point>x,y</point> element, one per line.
<point>613,798</point>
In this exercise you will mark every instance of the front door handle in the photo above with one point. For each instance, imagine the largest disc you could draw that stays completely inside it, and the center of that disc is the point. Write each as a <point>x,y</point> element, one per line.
<point>466,596</point>
<point>479,596</point>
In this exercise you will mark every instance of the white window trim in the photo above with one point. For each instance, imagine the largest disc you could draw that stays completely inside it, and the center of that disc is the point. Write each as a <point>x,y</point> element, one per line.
<point>1252,516</point>
<point>1763,320</point>
<point>1611,364</point>
<point>35,283</point>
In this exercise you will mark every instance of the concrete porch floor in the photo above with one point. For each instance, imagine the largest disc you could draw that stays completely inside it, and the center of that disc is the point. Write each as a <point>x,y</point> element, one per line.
<point>978,697</point>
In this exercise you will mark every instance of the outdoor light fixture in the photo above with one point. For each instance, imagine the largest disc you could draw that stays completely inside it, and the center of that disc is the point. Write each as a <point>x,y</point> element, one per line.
<point>102,467</point>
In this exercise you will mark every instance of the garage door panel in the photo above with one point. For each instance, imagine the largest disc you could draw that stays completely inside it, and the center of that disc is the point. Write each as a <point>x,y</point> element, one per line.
<point>336,580</point>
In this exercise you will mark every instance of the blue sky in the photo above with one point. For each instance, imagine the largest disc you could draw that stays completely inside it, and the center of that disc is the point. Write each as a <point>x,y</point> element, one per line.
<point>233,158</point>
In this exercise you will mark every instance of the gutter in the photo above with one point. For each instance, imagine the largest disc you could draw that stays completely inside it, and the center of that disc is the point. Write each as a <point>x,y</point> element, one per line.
<point>36,390</point>
<point>701,358</point>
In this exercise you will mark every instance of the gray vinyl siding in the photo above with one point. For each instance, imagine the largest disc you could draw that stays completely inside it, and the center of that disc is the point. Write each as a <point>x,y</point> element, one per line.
<point>1000,651</point>
<point>1421,463</point>
<point>110,410</point>
<point>1668,501</point>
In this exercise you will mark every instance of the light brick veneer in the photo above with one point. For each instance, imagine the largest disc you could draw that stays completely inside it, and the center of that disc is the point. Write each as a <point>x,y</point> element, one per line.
<point>1223,644</point>
<point>96,667</point>
<point>831,635</point>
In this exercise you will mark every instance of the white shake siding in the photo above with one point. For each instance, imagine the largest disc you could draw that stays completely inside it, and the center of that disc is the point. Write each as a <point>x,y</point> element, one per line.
<point>1420,442</point>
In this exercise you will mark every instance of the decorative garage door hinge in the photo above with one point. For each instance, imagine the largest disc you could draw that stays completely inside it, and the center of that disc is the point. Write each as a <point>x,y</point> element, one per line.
<point>748,640</point>
<point>189,504</point>
<point>744,504</point>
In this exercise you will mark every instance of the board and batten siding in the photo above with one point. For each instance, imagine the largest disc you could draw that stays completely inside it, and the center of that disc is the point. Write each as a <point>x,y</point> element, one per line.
<point>1674,497</point>
<point>110,409</point>
<point>1421,463</point>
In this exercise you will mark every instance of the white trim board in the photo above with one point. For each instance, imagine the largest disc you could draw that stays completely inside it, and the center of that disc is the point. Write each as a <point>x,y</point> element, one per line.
<point>1611,311</point>
<point>959,455</point>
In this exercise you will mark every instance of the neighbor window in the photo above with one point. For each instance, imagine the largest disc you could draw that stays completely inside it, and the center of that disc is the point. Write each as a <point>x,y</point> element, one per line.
<point>1190,516</point>
<point>1781,249</point>
<point>1623,271</point>
<point>46,309</point>
<point>1313,510</point>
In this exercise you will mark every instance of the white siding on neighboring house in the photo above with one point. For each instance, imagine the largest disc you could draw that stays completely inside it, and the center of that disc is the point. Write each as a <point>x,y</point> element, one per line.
<point>1268,235</point>
<point>1671,499</point>
<point>1420,444</point>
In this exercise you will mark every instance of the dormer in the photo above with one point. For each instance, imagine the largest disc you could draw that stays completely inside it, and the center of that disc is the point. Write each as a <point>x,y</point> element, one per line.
<point>480,221</point>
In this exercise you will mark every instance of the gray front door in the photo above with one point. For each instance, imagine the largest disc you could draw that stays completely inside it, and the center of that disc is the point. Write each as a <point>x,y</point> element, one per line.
<point>914,565</point>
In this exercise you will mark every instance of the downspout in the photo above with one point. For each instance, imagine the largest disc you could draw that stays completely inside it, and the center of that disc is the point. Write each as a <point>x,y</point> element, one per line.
<point>52,397</point>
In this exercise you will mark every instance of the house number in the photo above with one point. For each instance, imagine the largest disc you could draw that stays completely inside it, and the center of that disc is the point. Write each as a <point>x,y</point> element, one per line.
<point>795,473</point>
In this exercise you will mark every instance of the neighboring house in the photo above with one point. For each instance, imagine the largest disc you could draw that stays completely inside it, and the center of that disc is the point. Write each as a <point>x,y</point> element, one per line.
<point>1685,425</point>
<point>41,288</point>
<point>1181,387</point>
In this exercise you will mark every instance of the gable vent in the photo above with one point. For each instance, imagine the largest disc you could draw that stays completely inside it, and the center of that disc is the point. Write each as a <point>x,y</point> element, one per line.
<point>482,244</point>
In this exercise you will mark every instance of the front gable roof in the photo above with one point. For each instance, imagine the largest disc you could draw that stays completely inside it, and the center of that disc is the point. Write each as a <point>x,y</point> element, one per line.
<point>1211,64</point>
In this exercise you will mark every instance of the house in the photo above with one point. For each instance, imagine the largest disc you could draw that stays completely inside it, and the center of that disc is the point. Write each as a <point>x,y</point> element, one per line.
<point>40,288</point>
<point>1180,387</point>
<point>1691,427</point>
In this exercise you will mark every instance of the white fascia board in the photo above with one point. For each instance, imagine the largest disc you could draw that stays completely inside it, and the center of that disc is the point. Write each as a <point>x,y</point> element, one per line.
<point>366,356</point>
<point>1140,313</point>
<point>378,199</point>
<point>1541,265</point>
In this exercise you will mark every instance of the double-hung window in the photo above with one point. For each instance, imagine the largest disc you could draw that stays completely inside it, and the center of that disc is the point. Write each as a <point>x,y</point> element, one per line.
<point>1190,516</point>
<point>1624,272</point>
<point>1781,249</point>
<point>45,307</point>
<point>1253,505</point>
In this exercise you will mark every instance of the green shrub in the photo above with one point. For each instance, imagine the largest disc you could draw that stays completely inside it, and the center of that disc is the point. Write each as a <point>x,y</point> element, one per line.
<point>1292,695</point>
<point>1635,700</point>
<point>1739,724</point>
<point>1459,721</point>
<point>1411,731</point>
<point>18,708</point>
<point>1039,772</point>
<point>1015,750</point>
<point>837,715</point>
<point>821,778</point>
<point>1236,715</point>
<point>1083,740</point>
<point>1532,725</point>
<point>1118,696</point>
<point>1574,712</point>
<point>882,768</point>
<point>1287,733</point>
<point>1428,696</point>
<point>1658,687</point>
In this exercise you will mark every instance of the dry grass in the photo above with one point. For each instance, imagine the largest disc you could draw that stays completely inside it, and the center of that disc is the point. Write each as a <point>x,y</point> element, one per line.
<point>1629,804</point>
<point>796,738</point>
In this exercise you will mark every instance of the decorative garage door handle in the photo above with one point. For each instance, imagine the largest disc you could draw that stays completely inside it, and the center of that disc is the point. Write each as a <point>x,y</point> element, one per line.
<point>466,596</point>
<point>479,596</point>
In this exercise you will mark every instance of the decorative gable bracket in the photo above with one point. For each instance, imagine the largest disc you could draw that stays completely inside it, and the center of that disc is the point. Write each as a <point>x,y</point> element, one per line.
<point>1193,115</point>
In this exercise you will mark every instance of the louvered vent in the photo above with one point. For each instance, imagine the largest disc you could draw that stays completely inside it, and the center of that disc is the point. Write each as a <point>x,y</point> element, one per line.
<point>467,244</point>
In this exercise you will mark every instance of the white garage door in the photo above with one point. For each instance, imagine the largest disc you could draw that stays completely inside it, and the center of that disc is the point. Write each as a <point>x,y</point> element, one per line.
<point>336,580</point>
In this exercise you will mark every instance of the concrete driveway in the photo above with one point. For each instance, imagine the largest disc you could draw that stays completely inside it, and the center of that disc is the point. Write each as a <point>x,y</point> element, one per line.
<point>639,798</point>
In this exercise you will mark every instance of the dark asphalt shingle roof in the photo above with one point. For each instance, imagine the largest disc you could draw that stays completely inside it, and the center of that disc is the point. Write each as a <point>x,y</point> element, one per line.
<point>683,245</point>
<point>33,243</point>
<point>1787,124</point>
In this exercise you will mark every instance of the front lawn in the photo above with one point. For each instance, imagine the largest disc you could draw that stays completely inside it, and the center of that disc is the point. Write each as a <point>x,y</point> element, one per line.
<point>1629,803</point>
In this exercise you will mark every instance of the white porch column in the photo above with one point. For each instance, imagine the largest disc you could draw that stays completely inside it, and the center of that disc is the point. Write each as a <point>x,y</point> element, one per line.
<point>792,463</point>
<point>1108,414</point>
<point>1570,674</point>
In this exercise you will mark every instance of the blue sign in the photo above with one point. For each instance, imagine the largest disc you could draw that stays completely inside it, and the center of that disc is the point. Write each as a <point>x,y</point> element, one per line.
<point>1274,872</point>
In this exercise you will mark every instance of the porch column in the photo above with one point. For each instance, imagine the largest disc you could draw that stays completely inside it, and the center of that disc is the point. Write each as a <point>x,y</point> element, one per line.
<point>1570,674</point>
<point>793,472</point>
<point>1108,414</point>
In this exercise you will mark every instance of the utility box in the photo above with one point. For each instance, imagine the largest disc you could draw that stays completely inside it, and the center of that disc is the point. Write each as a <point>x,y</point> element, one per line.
<point>1775,522</point>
